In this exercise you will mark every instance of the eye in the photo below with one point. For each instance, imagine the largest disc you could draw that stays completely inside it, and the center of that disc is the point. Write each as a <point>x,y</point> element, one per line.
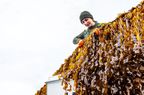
<point>85,20</point>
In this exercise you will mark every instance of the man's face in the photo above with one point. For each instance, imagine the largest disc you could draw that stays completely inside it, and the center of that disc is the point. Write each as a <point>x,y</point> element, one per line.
<point>88,22</point>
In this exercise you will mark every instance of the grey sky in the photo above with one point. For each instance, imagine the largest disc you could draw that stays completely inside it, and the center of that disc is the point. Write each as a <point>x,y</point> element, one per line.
<point>36,36</point>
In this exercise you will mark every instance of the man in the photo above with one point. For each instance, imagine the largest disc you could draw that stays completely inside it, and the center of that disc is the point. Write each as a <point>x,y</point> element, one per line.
<point>86,19</point>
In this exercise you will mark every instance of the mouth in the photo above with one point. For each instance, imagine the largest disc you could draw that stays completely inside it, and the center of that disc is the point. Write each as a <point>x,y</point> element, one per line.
<point>88,25</point>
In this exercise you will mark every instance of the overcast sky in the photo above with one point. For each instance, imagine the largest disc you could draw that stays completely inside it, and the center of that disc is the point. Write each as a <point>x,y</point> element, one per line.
<point>36,36</point>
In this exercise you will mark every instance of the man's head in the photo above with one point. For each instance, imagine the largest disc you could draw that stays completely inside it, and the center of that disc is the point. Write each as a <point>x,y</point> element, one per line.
<point>85,14</point>
<point>86,18</point>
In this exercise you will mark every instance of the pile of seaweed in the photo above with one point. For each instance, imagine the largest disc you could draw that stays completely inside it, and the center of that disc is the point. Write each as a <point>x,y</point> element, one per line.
<point>42,91</point>
<point>113,63</point>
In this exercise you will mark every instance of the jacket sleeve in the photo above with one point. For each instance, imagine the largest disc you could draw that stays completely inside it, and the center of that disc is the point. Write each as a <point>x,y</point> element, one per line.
<point>79,37</point>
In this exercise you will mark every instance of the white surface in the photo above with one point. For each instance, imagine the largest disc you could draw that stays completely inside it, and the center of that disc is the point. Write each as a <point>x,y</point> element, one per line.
<point>55,88</point>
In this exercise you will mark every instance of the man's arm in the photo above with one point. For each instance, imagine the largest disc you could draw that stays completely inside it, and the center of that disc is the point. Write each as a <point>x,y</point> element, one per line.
<point>79,37</point>
<point>100,24</point>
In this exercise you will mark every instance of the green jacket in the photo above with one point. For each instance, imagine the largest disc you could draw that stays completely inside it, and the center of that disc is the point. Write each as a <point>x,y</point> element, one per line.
<point>85,33</point>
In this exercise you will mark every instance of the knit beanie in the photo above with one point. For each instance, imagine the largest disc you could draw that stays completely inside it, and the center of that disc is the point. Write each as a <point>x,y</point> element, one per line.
<point>85,14</point>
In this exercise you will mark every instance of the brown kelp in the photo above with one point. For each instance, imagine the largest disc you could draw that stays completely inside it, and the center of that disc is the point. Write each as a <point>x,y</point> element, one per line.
<point>113,62</point>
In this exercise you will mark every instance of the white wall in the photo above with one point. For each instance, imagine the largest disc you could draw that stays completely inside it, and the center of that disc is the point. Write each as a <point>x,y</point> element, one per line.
<point>55,88</point>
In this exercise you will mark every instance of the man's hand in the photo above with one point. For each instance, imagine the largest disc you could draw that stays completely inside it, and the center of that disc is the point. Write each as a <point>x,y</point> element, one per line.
<point>80,44</point>
<point>97,31</point>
